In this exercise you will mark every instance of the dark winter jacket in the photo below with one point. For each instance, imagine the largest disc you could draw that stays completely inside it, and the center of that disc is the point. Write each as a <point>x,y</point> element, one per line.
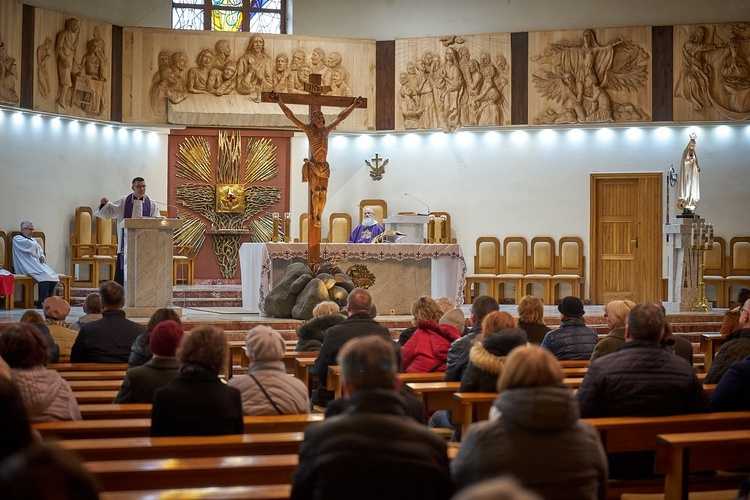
<point>312,333</point>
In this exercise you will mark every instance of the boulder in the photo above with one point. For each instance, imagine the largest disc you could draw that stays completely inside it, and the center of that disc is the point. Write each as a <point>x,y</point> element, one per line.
<point>280,301</point>
<point>314,293</point>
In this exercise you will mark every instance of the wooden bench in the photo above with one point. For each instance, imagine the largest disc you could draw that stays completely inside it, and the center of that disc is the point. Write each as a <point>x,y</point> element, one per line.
<point>435,395</point>
<point>302,371</point>
<point>677,455</point>
<point>124,475</point>
<point>710,345</point>
<point>141,427</point>
<point>93,375</point>
<point>79,367</point>
<point>95,385</point>
<point>289,357</point>
<point>98,411</point>
<point>266,492</point>
<point>94,397</point>
<point>336,384</point>
<point>140,448</point>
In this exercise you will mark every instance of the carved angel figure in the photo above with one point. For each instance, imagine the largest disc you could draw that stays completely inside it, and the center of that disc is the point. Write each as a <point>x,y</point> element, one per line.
<point>7,77</point>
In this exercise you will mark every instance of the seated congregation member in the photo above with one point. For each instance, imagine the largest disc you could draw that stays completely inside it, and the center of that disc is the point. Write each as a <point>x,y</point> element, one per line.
<point>368,230</point>
<point>15,431</point>
<point>616,311</point>
<point>446,304</point>
<point>357,324</point>
<point>109,339</point>
<point>140,351</point>
<point>92,311</point>
<point>732,393</point>
<point>641,379</point>
<point>141,382</point>
<point>312,332</point>
<point>534,434</point>
<point>458,354</point>
<point>675,344</point>
<point>56,309</point>
<point>732,350</point>
<point>531,318</point>
<point>4,369</point>
<point>34,318</point>
<point>426,351</point>
<point>487,359</point>
<point>373,450</point>
<point>197,402</point>
<point>46,395</point>
<point>29,259</point>
<point>423,309</point>
<point>731,321</point>
<point>503,487</point>
<point>267,389</point>
<point>573,340</point>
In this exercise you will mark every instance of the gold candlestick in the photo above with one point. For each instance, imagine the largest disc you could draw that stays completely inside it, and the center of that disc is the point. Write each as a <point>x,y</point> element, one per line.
<point>275,236</point>
<point>431,230</point>
<point>287,224</point>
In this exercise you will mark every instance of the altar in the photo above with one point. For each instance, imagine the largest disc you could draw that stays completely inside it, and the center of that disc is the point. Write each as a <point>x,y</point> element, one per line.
<point>400,272</point>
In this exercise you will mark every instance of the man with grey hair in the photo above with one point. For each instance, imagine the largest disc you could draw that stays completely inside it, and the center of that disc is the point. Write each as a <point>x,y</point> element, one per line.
<point>373,449</point>
<point>358,324</point>
<point>368,230</point>
<point>29,259</point>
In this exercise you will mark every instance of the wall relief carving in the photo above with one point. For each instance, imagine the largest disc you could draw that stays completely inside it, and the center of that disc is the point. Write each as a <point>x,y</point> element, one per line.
<point>8,76</point>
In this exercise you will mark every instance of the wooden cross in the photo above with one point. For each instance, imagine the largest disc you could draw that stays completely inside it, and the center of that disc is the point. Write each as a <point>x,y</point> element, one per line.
<point>315,99</point>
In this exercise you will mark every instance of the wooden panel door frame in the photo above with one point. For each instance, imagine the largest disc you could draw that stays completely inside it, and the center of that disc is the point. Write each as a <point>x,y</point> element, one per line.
<point>649,233</point>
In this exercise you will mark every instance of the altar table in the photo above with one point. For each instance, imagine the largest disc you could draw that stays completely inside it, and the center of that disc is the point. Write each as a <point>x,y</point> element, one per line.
<point>400,270</point>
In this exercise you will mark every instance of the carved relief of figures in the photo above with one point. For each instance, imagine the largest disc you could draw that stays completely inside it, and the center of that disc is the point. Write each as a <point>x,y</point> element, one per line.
<point>43,53</point>
<point>581,80</point>
<point>7,76</point>
<point>282,75</point>
<point>167,83</point>
<point>464,88</point>
<point>198,75</point>
<point>65,50</point>
<point>713,81</point>
<point>254,69</point>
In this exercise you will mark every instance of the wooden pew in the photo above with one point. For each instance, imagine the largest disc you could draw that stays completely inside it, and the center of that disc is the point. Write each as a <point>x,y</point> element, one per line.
<point>141,427</point>
<point>435,395</point>
<point>574,363</point>
<point>679,454</point>
<point>289,357</point>
<point>95,385</point>
<point>710,345</point>
<point>141,448</point>
<point>124,475</point>
<point>302,371</point>
<point>92,397</point>
<point>266,492</point>
<point>99,411</point>
<point>336,385</point>
<point>93,375</point>
<point>80,367</point>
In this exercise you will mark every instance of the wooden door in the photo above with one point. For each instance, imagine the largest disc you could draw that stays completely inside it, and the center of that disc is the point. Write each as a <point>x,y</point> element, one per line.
<point>626,237</point>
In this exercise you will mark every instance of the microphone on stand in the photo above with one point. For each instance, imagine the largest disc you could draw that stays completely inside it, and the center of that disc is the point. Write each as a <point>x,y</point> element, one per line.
<point>176,208</point>
<point>420,201</point>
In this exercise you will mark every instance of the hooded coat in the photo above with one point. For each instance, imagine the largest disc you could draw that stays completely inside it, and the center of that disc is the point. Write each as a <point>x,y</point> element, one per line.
<point>311,333</point>
<point>486,360</point>
<point>427,349</point>
<point>538,429</point>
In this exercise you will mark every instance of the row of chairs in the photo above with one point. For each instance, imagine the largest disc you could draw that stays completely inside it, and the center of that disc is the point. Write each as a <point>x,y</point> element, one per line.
<point>725,272</point>
<point>26,283</point>
<point>511,265</point>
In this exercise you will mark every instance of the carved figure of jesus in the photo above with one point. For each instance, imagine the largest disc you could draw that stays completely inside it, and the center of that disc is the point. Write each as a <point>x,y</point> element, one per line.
<point>316,170</point>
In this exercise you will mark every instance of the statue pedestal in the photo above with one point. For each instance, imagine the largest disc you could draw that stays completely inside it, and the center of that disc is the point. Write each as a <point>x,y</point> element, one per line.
<point>148,265</point>
<point>683,266</point>
<point>413,226</point>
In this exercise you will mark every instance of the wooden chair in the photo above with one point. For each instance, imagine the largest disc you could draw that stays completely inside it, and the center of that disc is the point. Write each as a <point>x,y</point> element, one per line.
<point>541,267</point>
<point>106,244</point>
<point>339,227</point>
<point>182,258</point>
<point>486,263</point>
<point>443,227</point>
<point>83,248</point>
<point>304,225</point>
<point>7,299</point>
<point>512,267</point>
<point>380,207</point>
<point>715,272</point>
<point>569,268</point>
<point>738,270</point>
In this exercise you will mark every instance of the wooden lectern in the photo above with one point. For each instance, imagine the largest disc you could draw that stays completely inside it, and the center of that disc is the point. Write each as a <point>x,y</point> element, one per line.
<point>148,265</point>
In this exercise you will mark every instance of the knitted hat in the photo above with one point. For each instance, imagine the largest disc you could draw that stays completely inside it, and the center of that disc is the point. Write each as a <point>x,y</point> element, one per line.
<point>454,318</point>
<point>571,306</point>
<point>263,343</point>
<point>164,338</point>
<point>56,308</point>
<point>502,342</point>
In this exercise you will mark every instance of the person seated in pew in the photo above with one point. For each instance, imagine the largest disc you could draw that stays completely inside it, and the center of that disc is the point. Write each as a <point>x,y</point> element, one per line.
<point>197,402</point>
<point>372,450</point>
<point>446,304</point>
<point>531,318</point>
<point>732,393</point>
<point>4,369</point>
<point>312,332</point>
<point>423,309</point>
<point>266,389</point>
<point>426,351</point>
<point>615,311</point>
<point>504,487</point>
<point>15,431</point>
<point>34,318</point>
<point>140,350</point>
<point>458,353</point>
<point>731,321</point>
<point>142,382</point>
<point>734,349</point>
<point>573,340</point>
<point>534,434</point>
<point>92,311</point>
<point>56,309</point>
<point>46,395</point>
<point>675,343</point>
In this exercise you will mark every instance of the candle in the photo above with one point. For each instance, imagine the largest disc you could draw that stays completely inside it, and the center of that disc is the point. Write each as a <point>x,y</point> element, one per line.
<point>275,235</point>
<point>693,243</point>
<point>711,234</point>
<point>287,223</point>
<point>701,235</point>
<point>431,230</point>
<point>443,229</point>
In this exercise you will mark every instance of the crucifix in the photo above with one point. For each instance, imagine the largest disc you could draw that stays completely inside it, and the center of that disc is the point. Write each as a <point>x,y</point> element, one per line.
<point>315,170</point>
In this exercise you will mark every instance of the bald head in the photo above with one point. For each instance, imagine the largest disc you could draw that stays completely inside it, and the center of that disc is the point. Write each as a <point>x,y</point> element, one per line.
<point>359,301</point>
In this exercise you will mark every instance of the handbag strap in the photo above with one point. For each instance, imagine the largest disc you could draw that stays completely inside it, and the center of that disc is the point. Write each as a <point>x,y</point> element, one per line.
<point>268,396</point>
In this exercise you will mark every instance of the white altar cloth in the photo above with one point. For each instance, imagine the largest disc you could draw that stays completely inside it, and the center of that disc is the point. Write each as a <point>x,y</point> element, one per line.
<point>448,268</point>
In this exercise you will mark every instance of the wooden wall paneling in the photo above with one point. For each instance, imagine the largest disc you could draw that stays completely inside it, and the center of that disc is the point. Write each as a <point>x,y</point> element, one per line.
<point>116,74</point>
<point>385,55</point>
<point>661,37</point>
<point>519,43</point>
<point>590,76</point>
<point>25,68</point>
<point>12,38</point>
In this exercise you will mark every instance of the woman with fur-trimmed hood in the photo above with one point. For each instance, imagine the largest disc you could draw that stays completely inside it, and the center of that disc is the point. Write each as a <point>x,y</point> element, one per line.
<point>486,359</point>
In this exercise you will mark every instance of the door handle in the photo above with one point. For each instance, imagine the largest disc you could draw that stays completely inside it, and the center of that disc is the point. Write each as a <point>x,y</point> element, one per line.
<point>635,241</point>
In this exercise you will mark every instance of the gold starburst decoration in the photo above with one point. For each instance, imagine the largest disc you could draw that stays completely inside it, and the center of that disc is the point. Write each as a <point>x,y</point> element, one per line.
<point>202,196</point>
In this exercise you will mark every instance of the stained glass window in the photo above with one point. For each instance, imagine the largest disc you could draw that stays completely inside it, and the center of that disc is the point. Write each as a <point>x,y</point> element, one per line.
<point>257,16</point>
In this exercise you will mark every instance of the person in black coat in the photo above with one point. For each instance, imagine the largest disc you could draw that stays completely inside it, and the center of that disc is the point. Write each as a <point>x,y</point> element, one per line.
<point>197,402</point>
<point>312,332</point>
<point>358,324</point>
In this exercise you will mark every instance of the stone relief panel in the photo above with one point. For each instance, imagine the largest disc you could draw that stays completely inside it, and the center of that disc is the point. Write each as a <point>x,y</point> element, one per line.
<point>712,72</point>
<point>453,81</point>
<point>590,76</point>
<point>217,79</point>
<point>72,67</point>
<point>10,51</point>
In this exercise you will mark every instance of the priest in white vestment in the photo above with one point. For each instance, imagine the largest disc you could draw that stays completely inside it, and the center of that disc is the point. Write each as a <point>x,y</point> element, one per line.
<point>29,259</point>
